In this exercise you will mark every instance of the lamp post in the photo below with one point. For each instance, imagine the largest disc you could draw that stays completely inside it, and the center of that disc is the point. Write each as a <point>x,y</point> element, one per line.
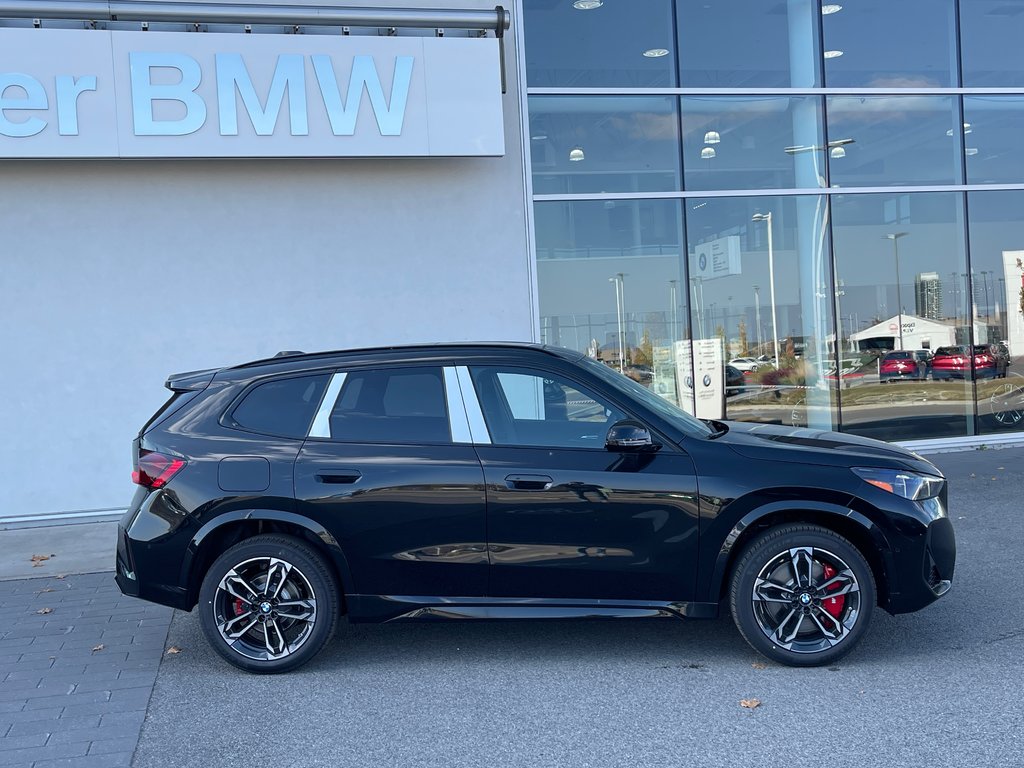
<point>757,317</point>
<point>895,237</point>
<point>673,296</point>
<point>620,301</point>
<point>767,218</point>
<point>988,307</point>
<point>698,300</point>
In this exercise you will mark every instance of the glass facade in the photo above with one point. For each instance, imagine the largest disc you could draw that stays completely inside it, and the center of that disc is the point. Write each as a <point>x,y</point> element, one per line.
<point>800,212</point>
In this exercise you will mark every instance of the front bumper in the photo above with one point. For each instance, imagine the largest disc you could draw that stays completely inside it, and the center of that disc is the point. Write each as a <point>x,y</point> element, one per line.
<point>925,568</point>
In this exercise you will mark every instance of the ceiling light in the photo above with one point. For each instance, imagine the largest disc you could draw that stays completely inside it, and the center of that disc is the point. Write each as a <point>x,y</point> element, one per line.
<point>707,153</point>
<point>971,151</point>
<point>656,53</point>
<point>830,8</point>
<point>576,154</point>
<point>837,152</point>
<point>587,5</point>
<point>539,137</point>
<point>967,129</point>
<point>833,54</point>
<point>712,137</point>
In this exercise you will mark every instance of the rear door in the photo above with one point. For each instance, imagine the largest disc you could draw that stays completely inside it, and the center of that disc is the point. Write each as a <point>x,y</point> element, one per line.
<point>397,483</point>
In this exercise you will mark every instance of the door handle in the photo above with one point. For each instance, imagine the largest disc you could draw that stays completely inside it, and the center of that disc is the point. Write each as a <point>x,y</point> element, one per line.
<point>529,482</point>
<point>338,476</point>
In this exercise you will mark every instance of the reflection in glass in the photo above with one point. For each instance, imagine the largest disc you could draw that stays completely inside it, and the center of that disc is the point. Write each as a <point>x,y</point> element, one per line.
<point>886,44</point>
<point>581,144</point>
<point>990,35</point>
<point>993,127</point>
<point>901,280</point>
<point>760,284</point>
<point>896,140</point>
<point>749,43</point>
<point>610,277</point>
<point>997,261</point>
<point>587,45</point>
<point>758,142</point>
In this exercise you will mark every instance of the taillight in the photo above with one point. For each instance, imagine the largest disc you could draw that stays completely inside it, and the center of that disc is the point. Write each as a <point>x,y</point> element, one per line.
<point>155,469</point>
<point>982,360</point>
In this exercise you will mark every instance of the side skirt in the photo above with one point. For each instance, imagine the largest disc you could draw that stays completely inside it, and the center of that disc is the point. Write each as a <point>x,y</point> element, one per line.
<point>382,608</point>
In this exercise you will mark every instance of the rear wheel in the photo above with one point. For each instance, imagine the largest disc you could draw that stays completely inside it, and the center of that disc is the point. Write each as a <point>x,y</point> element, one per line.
<point>269,604</point>
<point>802,595</point>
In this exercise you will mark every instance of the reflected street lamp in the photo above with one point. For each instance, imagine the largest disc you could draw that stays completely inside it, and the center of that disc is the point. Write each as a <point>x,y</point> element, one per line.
<point>895,236</point>
<point>673,296</point>
<point>757,318</point>
<point>620,310</point>
<point>767,218</point>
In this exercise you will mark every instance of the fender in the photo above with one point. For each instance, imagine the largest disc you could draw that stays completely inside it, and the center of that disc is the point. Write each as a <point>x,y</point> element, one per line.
<point>276,515</point>
<point>818,507</point>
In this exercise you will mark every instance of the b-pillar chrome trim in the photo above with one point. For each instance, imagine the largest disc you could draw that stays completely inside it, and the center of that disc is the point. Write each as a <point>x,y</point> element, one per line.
<point>322,421</point>
<point>477,425</point>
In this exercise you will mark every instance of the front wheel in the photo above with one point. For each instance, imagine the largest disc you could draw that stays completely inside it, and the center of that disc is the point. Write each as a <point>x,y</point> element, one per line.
<point>802,595</point>
<point>269,604</point>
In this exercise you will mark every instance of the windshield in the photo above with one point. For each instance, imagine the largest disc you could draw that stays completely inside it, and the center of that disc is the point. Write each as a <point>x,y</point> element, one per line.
<point>677,416</point>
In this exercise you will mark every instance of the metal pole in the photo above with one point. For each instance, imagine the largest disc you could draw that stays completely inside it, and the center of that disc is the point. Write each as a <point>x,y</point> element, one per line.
<point>895,236</point>
<point>771,278</point>
<point>757,317</point>
<point>674,315</point>
<point>497,19</point>
<point>618,316</point>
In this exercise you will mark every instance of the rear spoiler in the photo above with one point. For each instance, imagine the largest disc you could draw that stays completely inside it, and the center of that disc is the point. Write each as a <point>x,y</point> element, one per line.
<point>190,381</point>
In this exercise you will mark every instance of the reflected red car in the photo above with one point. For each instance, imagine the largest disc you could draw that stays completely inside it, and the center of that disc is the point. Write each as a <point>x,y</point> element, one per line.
<point>902,364</point>
<point>958,362</point>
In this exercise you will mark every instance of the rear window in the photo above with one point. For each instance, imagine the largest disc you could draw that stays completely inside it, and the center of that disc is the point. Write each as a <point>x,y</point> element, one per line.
<point>950,351</point>
<point>394,405</point>
<point>899,356</point>
<point>282,407</point>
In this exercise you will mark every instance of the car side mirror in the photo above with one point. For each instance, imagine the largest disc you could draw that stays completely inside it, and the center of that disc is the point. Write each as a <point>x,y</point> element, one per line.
<point>630,436</point>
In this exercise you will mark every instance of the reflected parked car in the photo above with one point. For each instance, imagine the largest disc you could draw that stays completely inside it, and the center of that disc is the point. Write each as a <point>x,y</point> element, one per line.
<point>902,364</point>
<point>735,384</point>
<point>746,364</point>
<point>958,362</point>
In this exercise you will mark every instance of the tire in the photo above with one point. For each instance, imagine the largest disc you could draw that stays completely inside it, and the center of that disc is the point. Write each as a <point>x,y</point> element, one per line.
<point>292,613</point>
<point>775,621</point>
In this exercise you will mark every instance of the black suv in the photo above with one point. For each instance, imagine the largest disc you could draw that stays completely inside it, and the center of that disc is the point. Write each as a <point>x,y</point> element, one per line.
<point>494,481</point>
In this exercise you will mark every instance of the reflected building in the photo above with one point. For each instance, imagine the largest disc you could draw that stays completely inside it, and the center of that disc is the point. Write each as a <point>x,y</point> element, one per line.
<point>802,183</point>
<point>928,295</point>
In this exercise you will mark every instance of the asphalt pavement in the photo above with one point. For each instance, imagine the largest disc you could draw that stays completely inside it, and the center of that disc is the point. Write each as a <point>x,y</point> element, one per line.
<point>939,687</point>
<point>79,662</point>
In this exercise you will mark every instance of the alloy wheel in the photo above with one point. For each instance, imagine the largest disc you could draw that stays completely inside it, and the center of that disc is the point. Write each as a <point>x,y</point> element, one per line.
<point>806,600</point>
<point>265,608</point>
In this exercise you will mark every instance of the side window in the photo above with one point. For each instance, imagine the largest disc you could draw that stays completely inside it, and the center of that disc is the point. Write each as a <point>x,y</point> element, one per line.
<point>392,405</point>
<point>529,408</point>
<point>281,406</point>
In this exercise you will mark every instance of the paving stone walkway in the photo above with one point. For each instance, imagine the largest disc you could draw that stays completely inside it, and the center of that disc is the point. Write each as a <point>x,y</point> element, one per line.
<point>78,661</point>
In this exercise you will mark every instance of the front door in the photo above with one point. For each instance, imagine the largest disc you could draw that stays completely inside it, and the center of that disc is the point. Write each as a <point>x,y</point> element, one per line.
<point>567,518</point>
<point>381,472</point>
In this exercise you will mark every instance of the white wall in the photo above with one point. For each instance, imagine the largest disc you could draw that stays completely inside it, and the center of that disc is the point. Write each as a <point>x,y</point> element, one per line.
<point>116,273</point>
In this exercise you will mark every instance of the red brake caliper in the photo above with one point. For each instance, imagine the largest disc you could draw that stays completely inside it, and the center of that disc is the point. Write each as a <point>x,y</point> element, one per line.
<point>239,610</point>
<point>834,605</point>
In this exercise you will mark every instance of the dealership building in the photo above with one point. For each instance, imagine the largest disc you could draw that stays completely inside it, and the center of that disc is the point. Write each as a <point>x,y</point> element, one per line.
<point>687,190</point>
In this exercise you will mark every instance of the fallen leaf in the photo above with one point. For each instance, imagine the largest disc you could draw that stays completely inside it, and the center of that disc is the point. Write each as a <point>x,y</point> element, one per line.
<point>60,576</point>
<point>37,560</point>
<point>750,703</point>
<point>44,589</point>
<point>973,475</point>
<point>995,478</point>
<point>99,647</point>
<point>759,665</point>
<point>44,611</point>
<point>173,649</point>
<point>961,518</point>
<point>1000,467</point>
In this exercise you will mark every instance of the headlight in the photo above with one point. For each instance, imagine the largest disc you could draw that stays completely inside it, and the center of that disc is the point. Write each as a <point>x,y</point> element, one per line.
<point>909,485</point>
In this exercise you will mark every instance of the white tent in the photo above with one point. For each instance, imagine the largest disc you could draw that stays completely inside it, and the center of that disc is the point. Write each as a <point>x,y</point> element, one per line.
<point>918,333</point>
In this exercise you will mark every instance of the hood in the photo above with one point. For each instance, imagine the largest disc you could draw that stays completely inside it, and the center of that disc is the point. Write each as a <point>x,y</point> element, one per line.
<point>813,446</point>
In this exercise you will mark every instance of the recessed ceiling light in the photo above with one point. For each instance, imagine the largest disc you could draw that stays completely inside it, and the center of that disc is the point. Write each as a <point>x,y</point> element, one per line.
<point>830,8</point>
<point>539,137</point>
<point>576,154</point>
<point>971,151</point>
<point>587,5</point>
<point>656,53</point>
<point>967,129</point>
<point>707,153</point>
<point>833,54</point>
<point>712,137</point>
